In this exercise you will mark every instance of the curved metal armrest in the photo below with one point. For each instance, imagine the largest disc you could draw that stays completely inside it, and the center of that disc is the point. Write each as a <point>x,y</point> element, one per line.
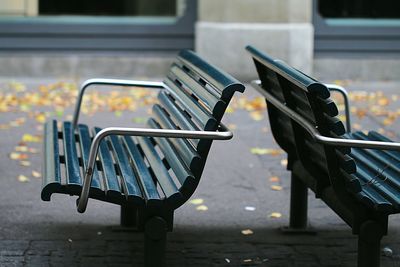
<point>345,95</point>
<point>117,82</point>
<point>222,134</point>
<point>314,132</point>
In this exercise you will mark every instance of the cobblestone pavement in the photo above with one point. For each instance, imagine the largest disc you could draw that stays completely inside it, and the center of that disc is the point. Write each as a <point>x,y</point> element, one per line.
<point>37,233</point>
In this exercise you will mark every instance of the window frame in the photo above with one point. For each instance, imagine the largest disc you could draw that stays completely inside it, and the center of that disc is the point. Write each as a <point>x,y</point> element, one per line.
<point>53,34</point>
<point>354,40</point>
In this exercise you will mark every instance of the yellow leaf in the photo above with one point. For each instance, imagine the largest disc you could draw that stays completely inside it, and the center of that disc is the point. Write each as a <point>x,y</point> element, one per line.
<point>25,163</point>
<point>21,148</point>
<point>196,201</point>
<point>284,162</point>
<point>229,110</point>
<point>36,174</point>
<point>275,215</point>
<point>202,208</point>
<point>256,115</point>
<point>247,232</point>
<point>41,118</point>
<point>265,151</point>
<point>14,156</point>
<point>23,178</point>
<point>383,101</point>
<point>276,187</point>
<point>30,138</point>
<point>274,179</point>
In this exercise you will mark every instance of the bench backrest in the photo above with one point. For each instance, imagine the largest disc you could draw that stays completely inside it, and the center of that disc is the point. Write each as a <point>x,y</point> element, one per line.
<point>196,99</point>
<point>311,100</point>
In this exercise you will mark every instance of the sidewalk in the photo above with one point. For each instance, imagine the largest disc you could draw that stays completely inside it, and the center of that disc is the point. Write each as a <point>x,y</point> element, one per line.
<point>37,233</point>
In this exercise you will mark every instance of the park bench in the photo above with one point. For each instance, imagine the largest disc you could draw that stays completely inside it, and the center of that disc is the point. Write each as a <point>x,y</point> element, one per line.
<point>152,171</point>
<point>356,174</point>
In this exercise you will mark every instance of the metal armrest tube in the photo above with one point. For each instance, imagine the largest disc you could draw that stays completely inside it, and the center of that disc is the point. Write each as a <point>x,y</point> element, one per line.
<point>314,132</point>
<point>345,95</point>
<point>116,82</point>
<point>224,134</point>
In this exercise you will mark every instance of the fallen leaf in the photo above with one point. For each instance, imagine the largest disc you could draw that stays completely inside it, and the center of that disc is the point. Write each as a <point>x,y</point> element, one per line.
<point>383,101</point>
<point>276,187</point>
<point>139,120</point>
<point>23,178</point>
<point>196,201</point>
<point>265,151</point>
<point>274,179</point>
<point>202,208</point>
<point>284,162</point>
<point>275,215</point>
<point>227,260</point>
<point>21,148</point>
<point>14,156</point>
<point>25,163</point>
<point>33,150</point>
<point>256,115</point>
<point>30,138</point>
<point>36,174</point>
<point>247,232</point>
<point>40,118</point>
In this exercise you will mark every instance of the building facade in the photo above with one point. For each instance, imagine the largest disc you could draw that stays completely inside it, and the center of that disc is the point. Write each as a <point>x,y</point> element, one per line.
<point>346,39</point>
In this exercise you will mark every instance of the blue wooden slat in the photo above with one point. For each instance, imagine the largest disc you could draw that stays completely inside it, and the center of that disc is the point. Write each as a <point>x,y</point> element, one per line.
<point>377,167</point>
<point>163,178</point>
<point>142,173</point>
<point>71,156</point>
<point>366,176</point>
<point>85,142</point>
<point>178,166</point>
<point>129,184</point>
<point>378,137</point>
<point>112,184</point>
<point>51,171</point>
<point>203,117</point>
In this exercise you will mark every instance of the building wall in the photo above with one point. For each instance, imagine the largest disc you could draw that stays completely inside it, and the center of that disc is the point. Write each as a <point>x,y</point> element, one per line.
<point>282,28</point>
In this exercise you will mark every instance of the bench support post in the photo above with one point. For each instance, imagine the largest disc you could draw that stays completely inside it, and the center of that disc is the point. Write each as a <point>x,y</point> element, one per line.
<point>298,204</point>
<point>369,241</point>
<point>155,242</point>
<point>128,216</point>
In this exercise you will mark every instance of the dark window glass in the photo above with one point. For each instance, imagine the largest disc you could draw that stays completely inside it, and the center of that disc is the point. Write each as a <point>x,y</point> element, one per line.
<point>108,8</point>
<point>388,9</point>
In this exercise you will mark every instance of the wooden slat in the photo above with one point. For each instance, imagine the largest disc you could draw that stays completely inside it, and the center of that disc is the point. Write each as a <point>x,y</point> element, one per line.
<point>51,172</point>
<point>142,173</point>
<point>381,168</point>
<point>377,189</point>
<point>378,137</point>
<point>163,178</point>
<point>130,186</point>
<point>203,118</point>
<point>196,88</point>
<point>71,156</point>
<point>185,150</point>
<point>112,185</point>
<point>180,118</point>
<point>85,142</point>
<point>180,169</point>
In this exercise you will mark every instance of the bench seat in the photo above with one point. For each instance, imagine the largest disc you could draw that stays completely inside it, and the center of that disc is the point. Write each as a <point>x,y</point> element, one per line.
<point>377,174</point>
<point>121,174</point>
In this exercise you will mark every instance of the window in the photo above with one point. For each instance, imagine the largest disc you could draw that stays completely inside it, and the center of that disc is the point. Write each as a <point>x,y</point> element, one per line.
<point>357,27</point>
<point>97,25</point>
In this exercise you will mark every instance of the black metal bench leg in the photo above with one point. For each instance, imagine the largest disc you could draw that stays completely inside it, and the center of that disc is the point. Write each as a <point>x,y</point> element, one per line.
<point>128,216</point>
<point>369,243</point>
<point>155,242</point>
<point>298,223</point>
